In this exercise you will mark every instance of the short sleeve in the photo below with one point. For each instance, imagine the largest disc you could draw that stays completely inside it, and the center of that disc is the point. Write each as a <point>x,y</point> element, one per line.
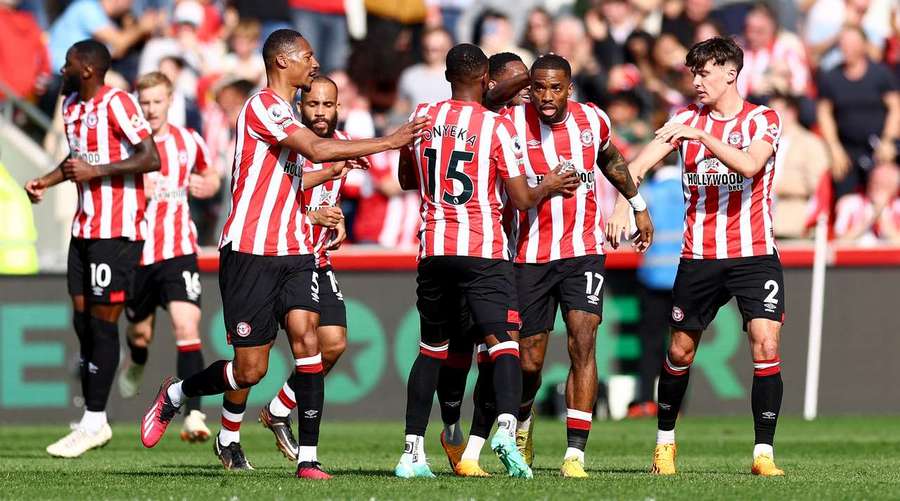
<point>126,118</point>
<point>768,128</point>
<point>684,115</point>
<point>888,82</point>
<point>270,120</point>
<point>93,17</point>
<point>824,86</point>
<point>203,160</point>
<point>605,126</point>
<point>507,151</point>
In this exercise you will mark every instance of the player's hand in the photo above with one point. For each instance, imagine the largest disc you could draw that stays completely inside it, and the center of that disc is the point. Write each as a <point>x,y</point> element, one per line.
<point>643,237</point>
<point>361,163</point>
<point>328,217</point>
<point>409,132</point>
<point>559,182</point>
<point>673,133</point>
<point>619,224</point>
<point>885,152</point>
<point>199,186</point>
<point>338,235</point>
<point>840,162</point>
<point>35,190</point>
<point>77,170</point>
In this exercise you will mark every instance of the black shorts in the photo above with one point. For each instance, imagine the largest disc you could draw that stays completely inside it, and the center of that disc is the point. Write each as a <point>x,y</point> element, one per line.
<point>258,291</point>
<point>702,286</point>
<point>572,284</point>
<point>486,285</point>
<point>332,310</point>
<point>102,270</point>
<point>158,284</point>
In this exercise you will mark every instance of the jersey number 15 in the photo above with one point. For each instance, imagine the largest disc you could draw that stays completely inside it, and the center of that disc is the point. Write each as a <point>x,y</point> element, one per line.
<point>457,158</point>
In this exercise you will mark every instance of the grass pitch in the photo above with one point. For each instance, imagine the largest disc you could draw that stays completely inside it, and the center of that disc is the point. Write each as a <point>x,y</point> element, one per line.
<point>833,458</point>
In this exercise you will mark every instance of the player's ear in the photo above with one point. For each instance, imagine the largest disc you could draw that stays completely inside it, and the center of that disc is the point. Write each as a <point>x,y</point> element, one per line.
<point>571,87</point>
<point>492,84</point>
<point>732,75</point>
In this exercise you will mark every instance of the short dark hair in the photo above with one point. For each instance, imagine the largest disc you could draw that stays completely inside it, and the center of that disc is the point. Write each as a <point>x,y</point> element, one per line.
<point>241,86</point>
<point>466,62</point>
<point>322,79</point>
<point>765,9</point>
<point>94,54</point>
<point>720,50</point>
<point>790,100</point>
<point>497,63</point>
<point>279,42</point>
<point>552,62</point>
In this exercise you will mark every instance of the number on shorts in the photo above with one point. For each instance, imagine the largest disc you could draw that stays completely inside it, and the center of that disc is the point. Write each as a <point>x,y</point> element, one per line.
<point>191,283</point>
<point>772,286</point>
<point>334,285</point>
<point>101,275</point>
<point>589,289</point>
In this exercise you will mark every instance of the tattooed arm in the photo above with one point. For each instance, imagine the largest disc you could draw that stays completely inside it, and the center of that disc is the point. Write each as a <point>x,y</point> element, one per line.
<point>615,168</point>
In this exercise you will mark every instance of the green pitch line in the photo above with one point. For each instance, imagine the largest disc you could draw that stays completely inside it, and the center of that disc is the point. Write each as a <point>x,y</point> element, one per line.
<point>834,458</point>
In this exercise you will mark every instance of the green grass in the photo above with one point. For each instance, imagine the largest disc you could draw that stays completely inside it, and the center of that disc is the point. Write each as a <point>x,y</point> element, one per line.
<point>833,458</point>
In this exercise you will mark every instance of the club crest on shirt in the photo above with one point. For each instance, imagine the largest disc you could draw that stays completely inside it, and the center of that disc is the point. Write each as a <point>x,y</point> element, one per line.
<point>91,120</point>
<point>735,138</point>
<point>773,130</point>
<point>137,121</point>
<point>587,137</point>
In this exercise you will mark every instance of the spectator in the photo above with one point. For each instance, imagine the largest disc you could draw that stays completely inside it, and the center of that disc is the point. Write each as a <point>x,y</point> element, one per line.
<point>497,35</point>
<point>387,215</point>
<point>244,61</point>
<point>801,161</point>
<point>183,44</point>
<point>570,41</point>
<point>272,14</point>
<point>685,19</point>
<point>656,276</point>
<point>183,111</point>
<point>354,114</point>
<point>425,82</point>
<point>609,24</point>
<point>774,60</point>
<point>826,20</point>
<point>24,60</point>
<point>631,131</point>
<point>324,25</point>
<point>859,114</point>
<point>538,32</point>
<point>874,216</point>
<point>706,30</point>
<point>447,13</point>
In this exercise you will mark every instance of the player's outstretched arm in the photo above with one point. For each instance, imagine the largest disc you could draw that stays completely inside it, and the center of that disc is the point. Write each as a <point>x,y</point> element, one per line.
<point>406,170</point>
<point>618,224</point>
<point>505,90</point>
<point>144,159</point>
<point>320,150</point>
<point>37,186</point>
<point>555,182</point>
<point>614,167</point>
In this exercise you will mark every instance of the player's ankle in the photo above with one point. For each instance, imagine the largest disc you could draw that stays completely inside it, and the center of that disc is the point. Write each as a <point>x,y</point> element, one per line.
<point>664,437</point>
<point>763,450</point>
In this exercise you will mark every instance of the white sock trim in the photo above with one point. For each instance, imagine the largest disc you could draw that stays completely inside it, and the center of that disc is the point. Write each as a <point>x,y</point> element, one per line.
<point>231,416</point>
<point>674,367</point>
<point>227,437</point>
<point>580,415</point>
<point>313,360</point>
<point>575,453</point>
<point>665,437</point>
<point>506,345</point>
<point>760,449</point>
<point>176,394</point>
<point>289,392</point>
<point>306,453</point>
<point>229,375</point>
<point>473,448</point>
<point>92,421</point>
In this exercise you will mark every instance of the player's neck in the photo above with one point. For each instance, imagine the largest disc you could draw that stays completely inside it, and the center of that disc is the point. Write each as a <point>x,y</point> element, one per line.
<point>89,89</point>
<point>162,131</point>
<point>284,90</point>
<point>467,93</point>
<point>728,105</point>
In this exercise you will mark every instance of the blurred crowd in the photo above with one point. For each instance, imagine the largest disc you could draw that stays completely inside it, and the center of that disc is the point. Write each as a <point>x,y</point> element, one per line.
<point>829,67</point>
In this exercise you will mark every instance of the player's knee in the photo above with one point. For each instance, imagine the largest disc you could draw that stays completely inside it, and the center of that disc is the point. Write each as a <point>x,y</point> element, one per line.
<point>767,348</point>
<point>305,345</point>
<point>532,361</point>
<point>681,355</point>
<point>186,331</point>
<point>246,377</point>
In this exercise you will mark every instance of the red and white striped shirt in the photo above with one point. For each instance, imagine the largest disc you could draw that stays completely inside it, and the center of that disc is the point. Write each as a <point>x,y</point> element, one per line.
<point>169,230</point>
<point>100,131</point>
<point>268,216</point>
<point>559,227</point>
<point>727,215</point>
<point>461,161</point>
<point>327,194</point>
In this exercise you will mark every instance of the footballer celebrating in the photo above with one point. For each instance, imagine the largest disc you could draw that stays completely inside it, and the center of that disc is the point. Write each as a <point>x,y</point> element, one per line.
<point>728,148</point>
<point>459,165</point>
<point>267,272</point>
<point>168,276</point>
<point>319,113</point>
<point>110,149</point>
<point>559,253</point>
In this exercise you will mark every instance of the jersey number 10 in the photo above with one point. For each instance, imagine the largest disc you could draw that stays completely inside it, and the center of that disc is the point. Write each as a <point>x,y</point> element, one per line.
<point>457,157</point>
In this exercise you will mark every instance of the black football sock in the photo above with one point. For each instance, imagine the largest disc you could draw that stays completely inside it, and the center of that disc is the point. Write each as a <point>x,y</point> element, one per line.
<point>103,363</point>
<point>485,412</point>
<point>531,383</point>
<point>507,380</point>
<point>232,417</point>
<point>452,385</point>
<point>81,323</point>
<point>765,398</point>
<point>673,383</point>
<point>139,354</point>
<point>188,362</point>
<point>212,380</point>
<point>420,389</point>
<point>308,383</point>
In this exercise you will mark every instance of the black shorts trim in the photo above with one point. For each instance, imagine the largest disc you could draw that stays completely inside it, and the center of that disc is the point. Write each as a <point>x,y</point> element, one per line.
<point>158,284</point>
<point>332,310</point>
<point>702,286</point>
<point>570,284</point>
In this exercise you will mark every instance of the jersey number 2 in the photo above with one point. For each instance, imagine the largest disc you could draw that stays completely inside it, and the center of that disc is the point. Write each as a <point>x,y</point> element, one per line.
<point>456,158</point>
